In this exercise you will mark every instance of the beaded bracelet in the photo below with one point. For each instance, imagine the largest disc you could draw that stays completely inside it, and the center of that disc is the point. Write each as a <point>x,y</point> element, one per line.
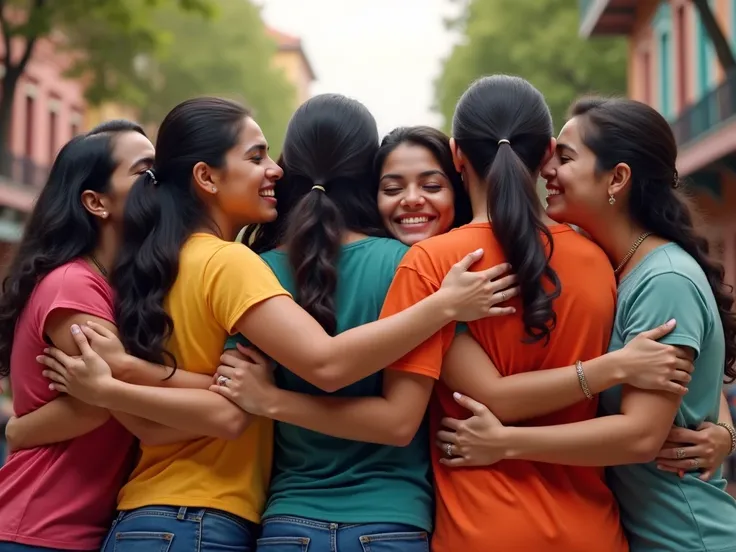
<point>732,431</point>
<point>581,379</point>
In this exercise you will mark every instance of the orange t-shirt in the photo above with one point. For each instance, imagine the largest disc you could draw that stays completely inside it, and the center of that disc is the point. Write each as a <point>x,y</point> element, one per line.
<point>517,505</point>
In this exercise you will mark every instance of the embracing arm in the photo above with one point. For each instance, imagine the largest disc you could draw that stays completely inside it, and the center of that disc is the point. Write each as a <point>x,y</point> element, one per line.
<point>332,363</point>
<point>391,419</point>
<point>724,411</point>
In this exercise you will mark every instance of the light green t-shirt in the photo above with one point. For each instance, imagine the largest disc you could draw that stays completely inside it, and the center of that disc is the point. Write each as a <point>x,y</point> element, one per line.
<point>335,480</point>
<point>660,511</point>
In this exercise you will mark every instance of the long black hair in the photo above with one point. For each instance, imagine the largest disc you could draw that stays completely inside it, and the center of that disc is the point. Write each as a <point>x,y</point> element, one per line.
<point>59,229</point>
<point>626,131</point>
<point>438,144</point>
<point>503,127</point>
<point>161,212</point>
<point>330,142</point>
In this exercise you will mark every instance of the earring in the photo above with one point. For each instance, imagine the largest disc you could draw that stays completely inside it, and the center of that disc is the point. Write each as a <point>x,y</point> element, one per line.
<point>611,199</point>
<point>214,189</point>
<point>104,214</point>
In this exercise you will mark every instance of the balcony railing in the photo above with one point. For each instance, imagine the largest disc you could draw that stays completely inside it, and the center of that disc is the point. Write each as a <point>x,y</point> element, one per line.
<point>22,170</point>
<point>715,107</point>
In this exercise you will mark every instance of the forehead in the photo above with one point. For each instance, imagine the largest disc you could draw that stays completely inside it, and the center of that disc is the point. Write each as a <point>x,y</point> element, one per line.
<point>131,146</point>
<point>410,157</point>
<point>251,132</point>
<point>570,133</point>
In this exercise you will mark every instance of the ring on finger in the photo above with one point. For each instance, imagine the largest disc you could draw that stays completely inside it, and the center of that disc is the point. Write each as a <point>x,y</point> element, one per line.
<point>695,463</point>
<point>222,381</point>
<point>679,453</point>
<point>503,296</point>
<point>448,450</point>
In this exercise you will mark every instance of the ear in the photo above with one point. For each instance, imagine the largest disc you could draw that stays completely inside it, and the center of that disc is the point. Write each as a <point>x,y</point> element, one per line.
<point>95,203</point>
<point>205,177</point>
<point>550,152</point>
<point>458,159</point>
<point>620,178</point>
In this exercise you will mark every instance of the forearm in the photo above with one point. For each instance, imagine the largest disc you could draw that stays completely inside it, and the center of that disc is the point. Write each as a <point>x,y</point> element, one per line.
<point>531,394</point>
<point>607,441</point>
<point>142,372</point>
<point>367,419</point>
<point>724,412</point>
<point>60,420</point>
<point>191,410</point>
<point>359,352</point>
<point>152,433</point>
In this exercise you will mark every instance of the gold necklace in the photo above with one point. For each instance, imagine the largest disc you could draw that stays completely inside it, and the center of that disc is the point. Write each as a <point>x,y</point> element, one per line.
<point>631,252</point>
<point>99,266</point>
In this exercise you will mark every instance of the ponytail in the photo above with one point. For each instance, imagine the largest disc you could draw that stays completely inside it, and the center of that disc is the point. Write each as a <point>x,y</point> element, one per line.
<point>513,208</point>
<point>314,231</point>
<point>158,219</point>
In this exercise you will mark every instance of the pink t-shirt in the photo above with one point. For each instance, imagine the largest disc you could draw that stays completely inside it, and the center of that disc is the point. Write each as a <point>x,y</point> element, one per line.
<point>64,495</point>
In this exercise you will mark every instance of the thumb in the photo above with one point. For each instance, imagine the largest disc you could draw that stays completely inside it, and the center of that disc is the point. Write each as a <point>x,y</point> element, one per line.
<point>81,341</point>
<point>469,260</point>
<point>660,331</point>
<point>474,406</point>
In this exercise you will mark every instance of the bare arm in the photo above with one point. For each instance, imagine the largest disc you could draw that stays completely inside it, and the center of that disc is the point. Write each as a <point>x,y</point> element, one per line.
<point>151,433</point>
<point>724,411</point>
<point>643,363</point>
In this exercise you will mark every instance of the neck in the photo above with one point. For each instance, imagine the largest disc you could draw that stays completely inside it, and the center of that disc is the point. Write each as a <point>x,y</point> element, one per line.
<point>106,250</point>
<point>479,204</point>
<point>223,227</point>
<point>616,236</point>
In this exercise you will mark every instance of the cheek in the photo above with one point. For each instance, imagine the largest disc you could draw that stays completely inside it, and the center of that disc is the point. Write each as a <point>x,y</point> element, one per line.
<point>444,205</point>
<point>387,206</point>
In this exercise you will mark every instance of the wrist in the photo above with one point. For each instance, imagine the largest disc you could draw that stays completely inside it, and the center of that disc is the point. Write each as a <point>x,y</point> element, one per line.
<point>731,435</point>
<point>272,405</point>
<point>508,441</point>
<point>106,392</point>
<point>125,369</point>
<point>443,306</point>
<point>604,372</point>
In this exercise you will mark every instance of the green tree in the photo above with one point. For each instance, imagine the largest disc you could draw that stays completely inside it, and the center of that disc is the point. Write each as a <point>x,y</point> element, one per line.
<point>86,28</point>
<point>536,40</point>
<point>228,55</point>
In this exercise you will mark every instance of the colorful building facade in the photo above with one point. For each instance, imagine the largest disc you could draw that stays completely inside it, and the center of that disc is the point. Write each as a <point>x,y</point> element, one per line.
<point>293,61</point>
<point>673,67</point>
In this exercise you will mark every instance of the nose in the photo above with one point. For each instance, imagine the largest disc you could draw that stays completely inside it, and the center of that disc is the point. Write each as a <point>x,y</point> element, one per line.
<point>274,172</point>
<point>549,170</point>
<point>413,197</point>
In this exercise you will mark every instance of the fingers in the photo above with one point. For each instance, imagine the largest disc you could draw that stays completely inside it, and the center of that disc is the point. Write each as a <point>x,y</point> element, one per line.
<point>680,453</point>
<point>683,436</point>
<point>675,389</point>
<point>660,331</point>
<point>102,330</point>
<point>224,391</point>
<point>505,295</point>
<point>256,356</point>
<point>706,475</point>
<point>469,260</point>
<point>682,376</point>
<point>497,271</point>
<point>452,423</point>
<point>225,370</point>
<point>81,340</point>
<point>456,462</point>
<point>58,387</point>
<point>501,311</point>
<point>56,354</point>
<point>447,437</point>
<point>474,406</point>
<point>688,464</point>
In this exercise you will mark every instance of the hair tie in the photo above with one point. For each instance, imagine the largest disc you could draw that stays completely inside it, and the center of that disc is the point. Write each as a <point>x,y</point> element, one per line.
<point>318,187</point>
<point>149,172</point>
<point>503,141</point>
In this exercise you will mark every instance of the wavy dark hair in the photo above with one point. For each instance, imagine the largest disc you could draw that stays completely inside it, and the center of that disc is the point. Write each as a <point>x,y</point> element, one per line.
<point>161,213</point>
<point>499,108</point>
<point>331,142</point>
<point>59,229</point>
<point>619,130</point>
<point>438,144</point>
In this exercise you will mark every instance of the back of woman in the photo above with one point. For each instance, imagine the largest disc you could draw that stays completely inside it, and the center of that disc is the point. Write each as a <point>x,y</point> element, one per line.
<point>339,269</point>
<point>502,134</point>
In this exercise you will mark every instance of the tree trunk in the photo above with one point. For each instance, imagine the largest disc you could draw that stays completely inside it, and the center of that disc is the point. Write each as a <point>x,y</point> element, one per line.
<point>720,44</point>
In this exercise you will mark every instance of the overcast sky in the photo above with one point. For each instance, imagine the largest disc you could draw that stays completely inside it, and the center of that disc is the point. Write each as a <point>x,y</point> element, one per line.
<point>384,53</point>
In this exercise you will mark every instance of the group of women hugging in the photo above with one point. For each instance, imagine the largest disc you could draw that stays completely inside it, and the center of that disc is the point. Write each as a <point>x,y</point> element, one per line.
<point>408,350</point>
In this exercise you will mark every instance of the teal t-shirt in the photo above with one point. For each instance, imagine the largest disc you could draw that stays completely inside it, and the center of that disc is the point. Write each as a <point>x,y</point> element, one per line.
<point>335,480</point>
<point>661,512</point>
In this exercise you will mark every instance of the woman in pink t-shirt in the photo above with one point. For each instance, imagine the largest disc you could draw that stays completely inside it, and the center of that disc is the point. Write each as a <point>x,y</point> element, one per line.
<point>62,496</point>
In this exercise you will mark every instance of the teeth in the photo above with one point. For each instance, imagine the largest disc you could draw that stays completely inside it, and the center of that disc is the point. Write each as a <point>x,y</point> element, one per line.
<point>553,191</point>
<point>267,193</point>
<point>415,220</point>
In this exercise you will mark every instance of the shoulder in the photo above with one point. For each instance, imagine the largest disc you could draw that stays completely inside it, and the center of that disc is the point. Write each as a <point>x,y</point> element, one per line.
<point>666,271</point>
<point>73,278</point>
<point>389,250</point>
<point>567,240</point>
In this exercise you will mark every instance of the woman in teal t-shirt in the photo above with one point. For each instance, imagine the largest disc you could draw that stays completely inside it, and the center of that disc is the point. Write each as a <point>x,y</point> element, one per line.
<point>615,176</point>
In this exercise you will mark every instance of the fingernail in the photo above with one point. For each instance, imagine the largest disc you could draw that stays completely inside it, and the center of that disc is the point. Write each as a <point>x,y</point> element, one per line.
<point>75,329</point>
<point>46,350</point>
<point>671,322</point>
<point>457,395</point>
<point>39,358</point>
<point>45,374</point>
<point>478,251</point>
<point>681,473</point>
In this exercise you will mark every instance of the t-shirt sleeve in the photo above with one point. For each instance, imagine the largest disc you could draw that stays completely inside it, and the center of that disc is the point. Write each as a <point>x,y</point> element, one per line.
<point>415,280</point>
<point>662,298</point>
<point>73,288</point>
<point>235,280</point>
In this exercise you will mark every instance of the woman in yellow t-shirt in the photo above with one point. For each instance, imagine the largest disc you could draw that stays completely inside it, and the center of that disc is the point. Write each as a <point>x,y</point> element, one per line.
<point>182,287</point>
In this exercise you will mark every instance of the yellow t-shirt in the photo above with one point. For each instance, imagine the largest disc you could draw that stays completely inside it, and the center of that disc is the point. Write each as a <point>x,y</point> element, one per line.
<point>218,281</point>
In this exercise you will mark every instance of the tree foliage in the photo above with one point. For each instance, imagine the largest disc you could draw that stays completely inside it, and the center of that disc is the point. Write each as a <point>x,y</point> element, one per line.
<point>536,40</point>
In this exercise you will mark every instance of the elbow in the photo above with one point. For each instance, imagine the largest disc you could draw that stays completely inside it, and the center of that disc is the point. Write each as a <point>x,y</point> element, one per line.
<point>644,447</point>
<point>401,434</point>
<point>11,436</point>
<point>327,378</point>
<point>234,424</point>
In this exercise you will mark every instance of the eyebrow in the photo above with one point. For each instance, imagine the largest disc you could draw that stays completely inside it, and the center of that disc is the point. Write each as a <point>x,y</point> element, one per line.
<point>141,161</point>
<point>566,147</point>
<point>260,148</point>
<point>425,174</point>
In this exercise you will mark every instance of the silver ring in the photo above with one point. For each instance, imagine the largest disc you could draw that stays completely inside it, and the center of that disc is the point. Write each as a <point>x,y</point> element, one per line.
<point>679,454</point>
<point>696,463</point>
<point>222,381</point>
<point>503,296</point>
<point>448,450</point>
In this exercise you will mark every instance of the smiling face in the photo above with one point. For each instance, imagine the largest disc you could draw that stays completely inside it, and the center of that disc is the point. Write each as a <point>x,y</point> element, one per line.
<point>415,196</point>
<point>576,193</point>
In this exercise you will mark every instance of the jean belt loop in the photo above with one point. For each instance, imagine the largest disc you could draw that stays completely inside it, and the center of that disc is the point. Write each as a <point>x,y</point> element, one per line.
<point>182,513</point>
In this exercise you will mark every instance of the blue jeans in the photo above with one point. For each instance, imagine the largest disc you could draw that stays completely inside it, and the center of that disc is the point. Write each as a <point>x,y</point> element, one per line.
<point>180,529</point>
<point>292,534</point>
